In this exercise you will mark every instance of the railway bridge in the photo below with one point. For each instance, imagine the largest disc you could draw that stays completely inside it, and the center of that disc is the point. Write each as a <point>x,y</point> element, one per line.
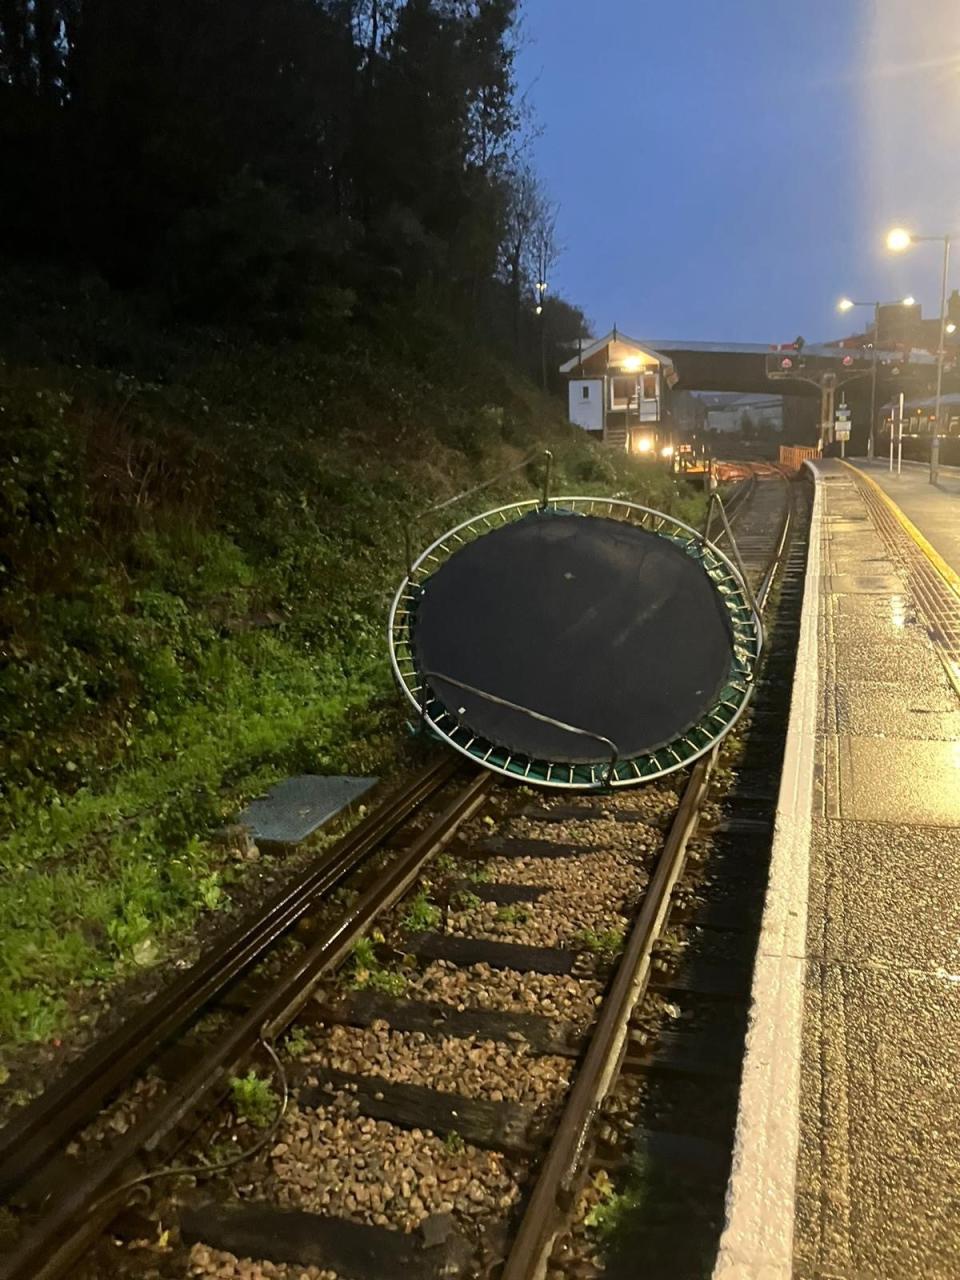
<point>615,382</point>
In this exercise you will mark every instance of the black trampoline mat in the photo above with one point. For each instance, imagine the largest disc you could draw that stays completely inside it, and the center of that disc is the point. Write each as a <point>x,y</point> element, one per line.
<point>591,621</point>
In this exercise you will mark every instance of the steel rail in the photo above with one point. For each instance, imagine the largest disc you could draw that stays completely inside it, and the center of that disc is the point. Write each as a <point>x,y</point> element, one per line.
<point>555,1189</point>
<point>54,1245</point>
<point>766,582</point>
<point>47,1124</point>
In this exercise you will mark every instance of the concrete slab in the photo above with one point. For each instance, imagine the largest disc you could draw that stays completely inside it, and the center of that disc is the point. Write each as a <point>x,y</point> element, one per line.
<point>880,1125</point>
<point>899,780</point>
<point>885,895</point>
<point>865,584</point>
<point>912,659</point>
<point>887,630</point>
<point>868,709</point>
<point>862,658</point>
<point>296,808</point>
<point>858,606</point>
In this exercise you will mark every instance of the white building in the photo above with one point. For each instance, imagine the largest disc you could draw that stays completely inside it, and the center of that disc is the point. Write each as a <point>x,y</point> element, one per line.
<point>614,389</point>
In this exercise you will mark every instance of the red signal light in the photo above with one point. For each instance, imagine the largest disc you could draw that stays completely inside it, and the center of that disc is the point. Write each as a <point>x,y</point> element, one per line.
<point>786,363</point>
<point>847,360</point>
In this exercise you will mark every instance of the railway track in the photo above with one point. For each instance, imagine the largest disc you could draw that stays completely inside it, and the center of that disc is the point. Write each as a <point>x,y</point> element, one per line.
<point>476,1033</point>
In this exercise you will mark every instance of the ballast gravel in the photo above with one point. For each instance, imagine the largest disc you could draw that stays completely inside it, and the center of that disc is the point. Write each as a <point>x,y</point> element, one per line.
<point>332,1160</point>
<point>636,840</point>
<point>474,1068</point>
<point>585,897</point>
<point>225,1266</point>
<point>479,986</point>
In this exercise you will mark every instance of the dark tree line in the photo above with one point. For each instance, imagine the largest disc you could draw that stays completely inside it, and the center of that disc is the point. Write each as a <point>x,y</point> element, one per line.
<point>257,153</point>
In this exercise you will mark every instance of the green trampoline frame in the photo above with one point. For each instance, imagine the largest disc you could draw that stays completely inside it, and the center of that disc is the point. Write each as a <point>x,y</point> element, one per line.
<point>435,716</point>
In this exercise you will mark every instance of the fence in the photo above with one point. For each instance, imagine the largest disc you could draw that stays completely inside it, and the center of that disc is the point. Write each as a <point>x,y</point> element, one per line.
<point>793,456</point>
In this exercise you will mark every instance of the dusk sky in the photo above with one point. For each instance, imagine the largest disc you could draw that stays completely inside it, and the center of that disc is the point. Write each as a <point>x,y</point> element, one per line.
<point>726,169</point>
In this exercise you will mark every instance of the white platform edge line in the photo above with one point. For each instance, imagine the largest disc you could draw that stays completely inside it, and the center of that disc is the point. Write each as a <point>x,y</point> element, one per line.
<point>757,1240</point>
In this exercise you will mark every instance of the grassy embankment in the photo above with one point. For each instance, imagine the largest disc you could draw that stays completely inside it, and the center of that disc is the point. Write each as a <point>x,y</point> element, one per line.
<point>201,530</point>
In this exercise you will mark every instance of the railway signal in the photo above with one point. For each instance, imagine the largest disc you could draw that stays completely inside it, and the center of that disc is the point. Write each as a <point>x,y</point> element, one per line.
<point>786,360</point>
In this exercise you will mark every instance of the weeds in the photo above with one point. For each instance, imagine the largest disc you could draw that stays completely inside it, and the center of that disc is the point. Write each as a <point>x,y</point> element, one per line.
<point>609,1214</point>
<point>464,900</point>
<point>513,914</point>
<point>454,1143</point>
<point>366,973</point>
<point>254,1100</point>
<point>297,1043</point>
<point>421,915</point>
<point>607,944</point>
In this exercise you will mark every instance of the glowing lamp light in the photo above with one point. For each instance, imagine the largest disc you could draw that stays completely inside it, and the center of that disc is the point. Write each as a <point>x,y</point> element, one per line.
<point>898,239</point>
<point>909,301</point>
<point>539,310</point>
<point>644,445</point>
<point>951,327</point>
<point>666,451</point>
<point>844,304</point>
<point>632,364</point>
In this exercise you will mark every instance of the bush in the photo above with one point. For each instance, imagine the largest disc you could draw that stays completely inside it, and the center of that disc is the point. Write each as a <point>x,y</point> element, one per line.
<point>201,533</point>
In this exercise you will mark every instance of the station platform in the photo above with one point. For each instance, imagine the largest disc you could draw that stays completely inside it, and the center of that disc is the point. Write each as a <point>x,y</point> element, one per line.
<point>847,1158</point>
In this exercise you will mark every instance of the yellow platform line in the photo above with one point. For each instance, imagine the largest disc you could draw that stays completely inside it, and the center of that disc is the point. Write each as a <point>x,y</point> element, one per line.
<point>950,576</point>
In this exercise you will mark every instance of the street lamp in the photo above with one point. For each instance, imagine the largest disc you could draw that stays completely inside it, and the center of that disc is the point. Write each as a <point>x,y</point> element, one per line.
<point>897,240</point>
<point>847,304</point>
<point>541,288</point>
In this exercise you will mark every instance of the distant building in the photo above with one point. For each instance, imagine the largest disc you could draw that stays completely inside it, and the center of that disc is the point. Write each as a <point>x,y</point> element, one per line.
<point>615,389</point>
<point>729,413</point>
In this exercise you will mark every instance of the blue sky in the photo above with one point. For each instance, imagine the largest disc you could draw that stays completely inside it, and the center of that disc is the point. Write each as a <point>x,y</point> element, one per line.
<point>725,169</point>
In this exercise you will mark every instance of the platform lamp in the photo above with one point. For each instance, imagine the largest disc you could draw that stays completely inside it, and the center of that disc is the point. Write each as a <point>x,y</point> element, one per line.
<point>897,240</point>
<point>847,304</point>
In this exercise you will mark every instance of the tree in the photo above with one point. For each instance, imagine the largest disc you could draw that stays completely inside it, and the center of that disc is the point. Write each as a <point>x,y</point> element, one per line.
<point>222,153</point>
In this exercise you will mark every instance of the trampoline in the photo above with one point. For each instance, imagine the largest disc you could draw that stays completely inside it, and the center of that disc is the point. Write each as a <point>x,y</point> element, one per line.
<point>581,643</point>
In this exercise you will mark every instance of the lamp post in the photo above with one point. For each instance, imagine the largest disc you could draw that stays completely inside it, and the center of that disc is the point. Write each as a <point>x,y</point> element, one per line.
<point>541,288</point>
<point>898,240</point>
<point>847,304</point>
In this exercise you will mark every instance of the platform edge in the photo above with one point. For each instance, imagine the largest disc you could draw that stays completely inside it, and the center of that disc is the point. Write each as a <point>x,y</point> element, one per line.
<point>757,1238</point>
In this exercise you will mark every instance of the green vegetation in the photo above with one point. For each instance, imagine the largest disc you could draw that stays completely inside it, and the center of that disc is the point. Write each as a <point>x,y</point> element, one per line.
<point>297,1043</point>
<point>466,901</point>
<point>658,1212</point>
<point>613,1214</point>
<point>201,530</point>
<point>454,1143</point>
<point>513,914</point>
<point>608,943</point>
<point>366,973</point>
<point>421,914</point>
<point>254,1100</point>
